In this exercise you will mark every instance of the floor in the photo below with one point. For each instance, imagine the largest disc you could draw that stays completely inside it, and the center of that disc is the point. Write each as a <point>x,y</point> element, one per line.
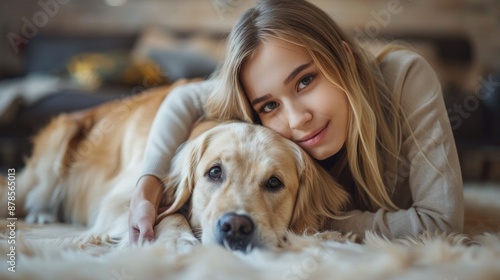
<point>480,166</point>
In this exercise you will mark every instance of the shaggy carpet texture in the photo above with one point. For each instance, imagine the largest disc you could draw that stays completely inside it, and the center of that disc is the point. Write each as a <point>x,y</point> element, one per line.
<point>49,252</point>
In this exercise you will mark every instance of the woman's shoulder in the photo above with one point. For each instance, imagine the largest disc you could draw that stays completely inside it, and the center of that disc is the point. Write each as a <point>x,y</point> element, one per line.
<point>398,60</point>
<point>408,76</point>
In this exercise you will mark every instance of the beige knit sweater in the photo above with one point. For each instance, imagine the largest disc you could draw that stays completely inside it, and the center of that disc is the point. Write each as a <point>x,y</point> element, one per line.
<point>430,196</point>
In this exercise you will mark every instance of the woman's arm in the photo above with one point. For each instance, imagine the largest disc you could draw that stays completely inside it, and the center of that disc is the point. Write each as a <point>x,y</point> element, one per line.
<point>170,128</point>
<point>172,124</point>
<point>143,209</point>
<point>432,180</point>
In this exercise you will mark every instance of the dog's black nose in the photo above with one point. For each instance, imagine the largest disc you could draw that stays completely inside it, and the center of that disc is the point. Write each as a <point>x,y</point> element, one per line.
<point>235,230</point>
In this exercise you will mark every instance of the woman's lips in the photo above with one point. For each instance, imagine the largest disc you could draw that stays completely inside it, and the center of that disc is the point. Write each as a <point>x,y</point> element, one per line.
<point>313,138</point>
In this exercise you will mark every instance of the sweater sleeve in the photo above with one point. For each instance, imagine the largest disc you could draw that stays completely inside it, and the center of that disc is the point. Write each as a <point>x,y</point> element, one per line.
<point>429,169</point>
<point>171,126</point>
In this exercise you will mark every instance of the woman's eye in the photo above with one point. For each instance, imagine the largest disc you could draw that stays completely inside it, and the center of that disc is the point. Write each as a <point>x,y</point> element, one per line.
<point>268,107</point>
<point>274,184</point>
<point>305,81</point>
<point>215,173</point>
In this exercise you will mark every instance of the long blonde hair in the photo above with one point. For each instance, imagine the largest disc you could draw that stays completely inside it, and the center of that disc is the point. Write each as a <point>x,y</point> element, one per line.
<point>375,127</point>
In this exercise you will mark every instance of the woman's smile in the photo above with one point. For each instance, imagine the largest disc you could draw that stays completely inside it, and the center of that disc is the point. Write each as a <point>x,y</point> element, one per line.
<point>314,138</point>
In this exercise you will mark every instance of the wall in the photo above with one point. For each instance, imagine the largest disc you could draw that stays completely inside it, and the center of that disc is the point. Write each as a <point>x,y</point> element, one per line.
<point>476,19</point>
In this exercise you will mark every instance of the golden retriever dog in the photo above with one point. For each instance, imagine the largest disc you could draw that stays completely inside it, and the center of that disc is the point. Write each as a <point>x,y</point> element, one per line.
<point>247,186</point>
<point>243,185</point>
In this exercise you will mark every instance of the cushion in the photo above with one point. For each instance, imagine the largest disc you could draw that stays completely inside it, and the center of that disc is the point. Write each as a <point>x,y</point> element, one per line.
<point>177,64</point>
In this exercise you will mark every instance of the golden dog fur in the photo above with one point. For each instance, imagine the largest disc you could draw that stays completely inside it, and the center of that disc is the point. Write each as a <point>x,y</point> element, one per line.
<point>85,165</point>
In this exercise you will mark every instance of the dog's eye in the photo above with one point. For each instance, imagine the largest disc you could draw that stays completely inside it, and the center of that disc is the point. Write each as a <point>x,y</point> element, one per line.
<point>274,184</point>
<point>215,173</point>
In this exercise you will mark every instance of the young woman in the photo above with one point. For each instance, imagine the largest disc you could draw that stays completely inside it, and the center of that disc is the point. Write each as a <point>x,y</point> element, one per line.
<point>378,125</point>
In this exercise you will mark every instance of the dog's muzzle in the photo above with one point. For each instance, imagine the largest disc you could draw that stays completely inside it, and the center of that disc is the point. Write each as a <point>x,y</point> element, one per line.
<point>235,231</point>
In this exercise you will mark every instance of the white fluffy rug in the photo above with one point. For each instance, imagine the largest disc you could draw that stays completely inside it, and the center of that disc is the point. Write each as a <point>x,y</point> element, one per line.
<point>474,255</point>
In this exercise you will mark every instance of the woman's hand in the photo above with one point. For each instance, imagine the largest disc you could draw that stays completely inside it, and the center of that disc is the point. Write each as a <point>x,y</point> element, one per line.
<point>143,210</point>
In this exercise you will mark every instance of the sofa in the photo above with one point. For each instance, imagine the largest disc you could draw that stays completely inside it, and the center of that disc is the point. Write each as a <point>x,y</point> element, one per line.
<point>60,73</point>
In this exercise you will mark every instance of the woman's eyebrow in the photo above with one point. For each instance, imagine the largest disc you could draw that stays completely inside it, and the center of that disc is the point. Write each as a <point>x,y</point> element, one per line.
<point>290,77</point>
<point>260,99</point>
<point>296,71</point>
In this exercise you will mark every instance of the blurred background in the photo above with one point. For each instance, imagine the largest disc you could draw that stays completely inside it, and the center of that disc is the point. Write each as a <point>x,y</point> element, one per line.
<point>65,55</point>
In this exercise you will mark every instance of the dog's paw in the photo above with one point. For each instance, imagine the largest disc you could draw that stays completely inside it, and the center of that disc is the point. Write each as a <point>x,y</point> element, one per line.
<point>41,218</point>
<point>175,233</point>
<point>185,243</point>
<point>181,244</point>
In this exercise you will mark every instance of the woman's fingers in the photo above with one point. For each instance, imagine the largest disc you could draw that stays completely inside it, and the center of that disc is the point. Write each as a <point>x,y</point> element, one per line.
<point>146,232</point>
<point>141,222</point>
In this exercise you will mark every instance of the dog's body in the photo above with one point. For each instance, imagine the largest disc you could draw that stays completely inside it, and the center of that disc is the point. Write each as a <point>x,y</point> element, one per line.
<point>85,166</point>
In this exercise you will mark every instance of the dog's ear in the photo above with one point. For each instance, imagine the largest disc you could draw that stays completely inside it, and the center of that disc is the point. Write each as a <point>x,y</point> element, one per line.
<point>181,180</point>
<point>319,196</point>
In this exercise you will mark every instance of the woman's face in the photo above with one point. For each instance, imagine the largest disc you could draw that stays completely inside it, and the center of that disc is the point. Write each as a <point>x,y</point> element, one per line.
<point>292,97</point>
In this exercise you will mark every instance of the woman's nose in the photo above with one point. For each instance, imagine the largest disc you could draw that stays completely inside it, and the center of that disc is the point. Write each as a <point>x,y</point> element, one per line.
<point>297,115</point>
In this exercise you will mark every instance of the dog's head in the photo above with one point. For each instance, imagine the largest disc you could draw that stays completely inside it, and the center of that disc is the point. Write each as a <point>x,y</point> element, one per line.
<point>247,186</point>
